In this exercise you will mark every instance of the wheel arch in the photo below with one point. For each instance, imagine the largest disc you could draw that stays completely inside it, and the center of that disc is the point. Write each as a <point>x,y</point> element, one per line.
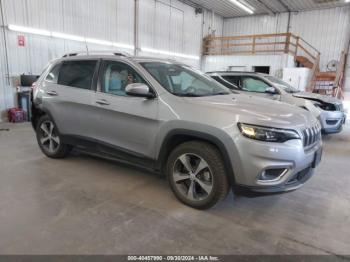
<point>179,136</point>
<point>37,113</point>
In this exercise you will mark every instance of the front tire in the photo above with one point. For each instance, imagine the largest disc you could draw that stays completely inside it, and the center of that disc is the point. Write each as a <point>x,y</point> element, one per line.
<point>49,139</point>
<point>197,174</point>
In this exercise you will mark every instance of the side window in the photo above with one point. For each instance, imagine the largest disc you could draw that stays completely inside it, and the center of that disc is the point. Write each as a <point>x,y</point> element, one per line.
<point>77,73</point>
<point>235,80</point>
<point>116,76</point>
<point>52,77</point>
<point>253,84</point>
<point>225,82</point>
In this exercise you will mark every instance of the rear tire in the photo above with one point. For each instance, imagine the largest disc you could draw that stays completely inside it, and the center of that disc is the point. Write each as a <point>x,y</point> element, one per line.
<point>49,139</point>
<point>197,174</point>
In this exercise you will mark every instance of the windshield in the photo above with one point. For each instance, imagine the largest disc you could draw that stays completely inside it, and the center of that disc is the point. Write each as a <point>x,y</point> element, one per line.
<point>287,87</point>
<point>181,80</point>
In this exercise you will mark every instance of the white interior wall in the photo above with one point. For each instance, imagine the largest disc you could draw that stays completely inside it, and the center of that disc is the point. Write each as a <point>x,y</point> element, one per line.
<point>3,71</point>
<point>89,18</point>
<point>168,25</point>
<point>262,24</point>
<point>213,24</point>
<point>171,26</point>
<point>325,29</point>
<point>246,63</point>
<point>347,74</point>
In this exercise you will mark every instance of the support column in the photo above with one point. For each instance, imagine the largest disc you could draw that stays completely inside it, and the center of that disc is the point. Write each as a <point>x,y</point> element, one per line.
<point>136,27</point>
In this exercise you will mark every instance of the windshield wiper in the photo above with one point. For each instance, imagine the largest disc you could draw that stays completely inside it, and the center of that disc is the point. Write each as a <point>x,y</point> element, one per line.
<point>293,91</point>
<point>220,93</point>
<point>186,94</point>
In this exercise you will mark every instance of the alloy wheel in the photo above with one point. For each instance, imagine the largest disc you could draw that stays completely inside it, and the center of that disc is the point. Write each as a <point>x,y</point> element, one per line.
<point>48,136</point>
<point>192,177</point>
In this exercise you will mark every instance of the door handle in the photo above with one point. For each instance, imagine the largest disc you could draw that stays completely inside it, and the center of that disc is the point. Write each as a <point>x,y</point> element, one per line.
<point>102,102</point>
<point>52,93</point>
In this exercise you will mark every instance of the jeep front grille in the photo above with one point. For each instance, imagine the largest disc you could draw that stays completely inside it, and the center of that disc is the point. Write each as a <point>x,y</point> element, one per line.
<point>311,135</point>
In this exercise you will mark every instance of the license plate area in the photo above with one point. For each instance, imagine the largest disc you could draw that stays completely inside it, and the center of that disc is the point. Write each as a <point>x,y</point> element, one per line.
<point>317,158</point>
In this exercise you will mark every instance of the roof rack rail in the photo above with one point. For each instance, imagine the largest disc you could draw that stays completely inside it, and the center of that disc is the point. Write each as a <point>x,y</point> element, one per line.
<point>98,52</point>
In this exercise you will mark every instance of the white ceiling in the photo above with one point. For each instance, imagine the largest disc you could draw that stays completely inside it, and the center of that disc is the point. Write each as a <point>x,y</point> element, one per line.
<point>226,8</point>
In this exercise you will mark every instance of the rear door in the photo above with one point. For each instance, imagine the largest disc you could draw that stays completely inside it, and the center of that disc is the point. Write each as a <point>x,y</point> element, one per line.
<point>126,123</point>
<point>68,97</point>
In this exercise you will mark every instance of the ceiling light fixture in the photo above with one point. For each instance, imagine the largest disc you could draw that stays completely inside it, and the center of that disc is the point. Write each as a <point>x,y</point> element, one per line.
<point>29,30</point>
<point>120,45</point>
<point>68,37</point>
<point>163,52</point>
<point>98,41</point>
<point>64,36</point>
<point>82,39</point>
<point>242,6</point>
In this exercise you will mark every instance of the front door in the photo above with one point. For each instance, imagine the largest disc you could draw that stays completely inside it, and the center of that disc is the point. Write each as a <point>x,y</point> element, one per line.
<point>126,123</point>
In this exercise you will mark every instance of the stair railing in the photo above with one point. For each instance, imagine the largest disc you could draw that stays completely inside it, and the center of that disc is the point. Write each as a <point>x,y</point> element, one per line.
<point>315,69</point>
<point>259,44</point>
<point>339,79</point>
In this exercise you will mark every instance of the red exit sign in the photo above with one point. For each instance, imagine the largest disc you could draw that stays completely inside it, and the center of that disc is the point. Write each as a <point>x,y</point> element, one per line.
<point>21,40</point>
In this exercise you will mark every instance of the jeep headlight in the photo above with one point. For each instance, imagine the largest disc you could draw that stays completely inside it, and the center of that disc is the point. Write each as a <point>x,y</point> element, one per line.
<point>268,134</point>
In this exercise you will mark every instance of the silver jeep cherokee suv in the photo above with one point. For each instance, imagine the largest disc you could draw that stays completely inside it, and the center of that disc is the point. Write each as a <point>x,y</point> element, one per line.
<point>166,117</point>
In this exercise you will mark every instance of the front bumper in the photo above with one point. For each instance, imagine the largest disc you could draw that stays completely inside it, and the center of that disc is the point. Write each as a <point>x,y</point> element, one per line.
<point>256,158</point>
<point>332,121</point>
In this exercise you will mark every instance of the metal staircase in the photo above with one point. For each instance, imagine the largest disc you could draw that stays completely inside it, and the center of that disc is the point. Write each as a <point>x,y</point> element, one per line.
<point>330,82</point>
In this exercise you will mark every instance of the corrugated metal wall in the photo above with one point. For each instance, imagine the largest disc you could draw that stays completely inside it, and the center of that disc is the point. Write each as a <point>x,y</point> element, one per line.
<point>7,98</point>
<point>212,24</point>
<point>3,84</point>
<point>325,29</point>
<point>107,19</point>
<point>347,74</point>
<point>256,25</point>
<point>168,25</point>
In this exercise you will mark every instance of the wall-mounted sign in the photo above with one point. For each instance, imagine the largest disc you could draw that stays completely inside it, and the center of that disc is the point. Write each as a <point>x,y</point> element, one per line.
<point>21,40</point>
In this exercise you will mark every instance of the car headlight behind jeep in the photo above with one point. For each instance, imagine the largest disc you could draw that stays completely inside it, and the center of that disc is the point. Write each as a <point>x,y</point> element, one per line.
<point>325,106</point>
<point>267,134</point>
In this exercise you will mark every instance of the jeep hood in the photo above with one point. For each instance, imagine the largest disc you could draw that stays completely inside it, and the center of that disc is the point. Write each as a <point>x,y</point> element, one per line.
<point>251,109</point>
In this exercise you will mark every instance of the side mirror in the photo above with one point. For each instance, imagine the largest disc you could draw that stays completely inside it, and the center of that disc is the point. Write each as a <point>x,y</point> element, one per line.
<point>271,90</point>
<point>138,89</point>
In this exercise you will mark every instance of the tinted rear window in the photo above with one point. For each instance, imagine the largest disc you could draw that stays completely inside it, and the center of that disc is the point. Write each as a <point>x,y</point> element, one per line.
<point>233,79</point>
<point>53,75</point>
<point>225,82</point>
<point>77,73</point>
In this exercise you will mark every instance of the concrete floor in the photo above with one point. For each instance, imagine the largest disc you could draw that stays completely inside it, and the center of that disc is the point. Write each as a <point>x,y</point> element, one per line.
<point>83,205</point>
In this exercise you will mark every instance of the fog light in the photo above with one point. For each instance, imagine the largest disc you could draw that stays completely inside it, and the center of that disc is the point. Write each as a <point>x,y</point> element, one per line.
<point>272,175</point>
<point>332,122</point>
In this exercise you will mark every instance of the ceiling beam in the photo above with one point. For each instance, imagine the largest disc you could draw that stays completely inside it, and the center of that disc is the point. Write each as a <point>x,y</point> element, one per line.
<point>192,4</point>
<point>266,7</point>
<point>284,5</point>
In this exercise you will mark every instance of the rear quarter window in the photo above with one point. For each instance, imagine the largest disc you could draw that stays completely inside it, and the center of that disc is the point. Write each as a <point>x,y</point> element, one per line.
<point>52,76</point>
<point>77,74</point>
